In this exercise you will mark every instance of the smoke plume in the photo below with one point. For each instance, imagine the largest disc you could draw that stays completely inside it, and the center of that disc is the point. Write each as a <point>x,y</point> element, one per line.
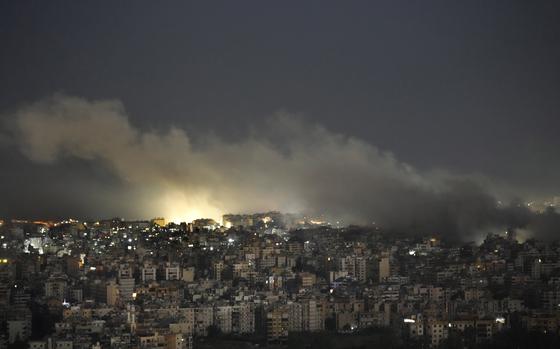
<point>283,164</point>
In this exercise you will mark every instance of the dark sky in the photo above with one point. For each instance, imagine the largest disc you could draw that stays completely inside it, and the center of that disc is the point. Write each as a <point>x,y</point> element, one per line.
<point>470,87</point>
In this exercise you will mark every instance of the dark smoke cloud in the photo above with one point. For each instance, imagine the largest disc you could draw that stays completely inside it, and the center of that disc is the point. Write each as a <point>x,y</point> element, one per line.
<point>284,164</point>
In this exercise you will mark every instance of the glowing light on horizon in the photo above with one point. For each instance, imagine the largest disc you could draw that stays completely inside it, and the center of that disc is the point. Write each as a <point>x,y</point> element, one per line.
<point>178,207</point>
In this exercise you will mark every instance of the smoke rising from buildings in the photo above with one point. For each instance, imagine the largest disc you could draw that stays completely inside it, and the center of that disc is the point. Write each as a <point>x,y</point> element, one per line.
<point>282,164</point>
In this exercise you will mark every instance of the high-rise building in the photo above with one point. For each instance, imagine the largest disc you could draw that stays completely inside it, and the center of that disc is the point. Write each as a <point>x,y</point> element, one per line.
<point>277,324</point>
<point>223,318</point>
<point>55,287</point>
<point>361,269</point>
<point>295,323</point>
<point>203,318</point>
<point>126,288</point>
<point>112,293</point>
<point>347,264</point>
<point>355,267</point>
<point>218,268</point>
<point>312,316</point>
<point>384,267</point>
<point>243,318</point>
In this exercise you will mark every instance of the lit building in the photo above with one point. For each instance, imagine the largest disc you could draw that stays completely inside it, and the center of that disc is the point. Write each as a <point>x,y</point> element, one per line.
<point>159,221</point>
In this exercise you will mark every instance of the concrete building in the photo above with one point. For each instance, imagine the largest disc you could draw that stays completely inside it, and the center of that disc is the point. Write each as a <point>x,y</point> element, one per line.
<point>218,268</point>
<point>149,274</point>
<point>18,330</point>
<point>188,274</point>
<point>112,295</point>
<point>312,316</point>
<point>172,273</point>
<point>384,267</point>
<point>55,287</point>
<point>126,288</point>
<point>223,318</point>
<point>243,318</point>
<point>277,324</point>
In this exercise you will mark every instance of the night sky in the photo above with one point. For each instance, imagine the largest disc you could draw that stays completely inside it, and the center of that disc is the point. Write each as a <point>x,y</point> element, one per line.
<point>466,88</point>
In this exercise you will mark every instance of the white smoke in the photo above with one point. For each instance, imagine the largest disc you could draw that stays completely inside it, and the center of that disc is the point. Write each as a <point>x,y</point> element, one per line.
<point>285,164</point>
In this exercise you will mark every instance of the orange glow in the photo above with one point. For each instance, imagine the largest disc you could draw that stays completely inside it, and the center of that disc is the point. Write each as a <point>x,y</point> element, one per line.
<point>177,208</point>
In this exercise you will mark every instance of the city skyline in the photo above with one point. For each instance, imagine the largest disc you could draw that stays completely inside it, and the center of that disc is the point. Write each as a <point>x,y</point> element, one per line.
<point>279,175</point>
